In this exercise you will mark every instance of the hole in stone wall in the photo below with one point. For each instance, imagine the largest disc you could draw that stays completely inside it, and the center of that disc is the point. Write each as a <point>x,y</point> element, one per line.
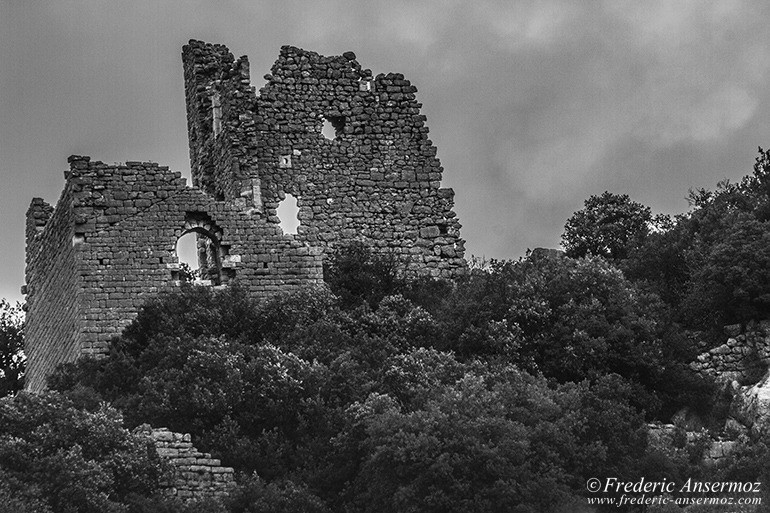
<point>333,126</point>
<point>287,212</point>
<point>328,129</point>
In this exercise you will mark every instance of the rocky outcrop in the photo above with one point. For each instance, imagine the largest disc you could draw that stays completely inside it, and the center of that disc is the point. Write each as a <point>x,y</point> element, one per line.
<point>751,406</point>
<point>742,364</point>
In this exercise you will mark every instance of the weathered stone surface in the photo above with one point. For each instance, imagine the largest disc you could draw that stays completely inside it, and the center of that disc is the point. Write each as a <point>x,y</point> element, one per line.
<point>744,356</point>
<point>751,406</point>
<point>670,439</point>
<point>195,475</point>
<point>86,282</point>
<point>109,244</point>
<point>378,175</point>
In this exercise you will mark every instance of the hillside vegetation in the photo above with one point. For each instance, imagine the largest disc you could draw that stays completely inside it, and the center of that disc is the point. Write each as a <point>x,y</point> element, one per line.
<point>503,391</point>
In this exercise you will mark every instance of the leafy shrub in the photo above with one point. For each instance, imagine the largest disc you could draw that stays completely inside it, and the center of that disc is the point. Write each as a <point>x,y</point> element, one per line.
<point>56,457</point>
<point>12,360</point>
<point>357,275</point>
<point>609,225</point>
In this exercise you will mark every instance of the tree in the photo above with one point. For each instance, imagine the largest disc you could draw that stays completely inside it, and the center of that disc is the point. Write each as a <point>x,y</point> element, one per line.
<point>731,277</point>
<point>610,225</point>
<point>357,275</point>
<point>12,359</point>
<point>494,439</point>
<point>400,407</point>
<point>711,265</point>
<point>660,264</point>
<point>257,496</point>
<point>55,457</point>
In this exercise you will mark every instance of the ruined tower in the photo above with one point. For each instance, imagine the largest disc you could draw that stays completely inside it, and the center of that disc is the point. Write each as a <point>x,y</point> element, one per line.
<point>373,176</point>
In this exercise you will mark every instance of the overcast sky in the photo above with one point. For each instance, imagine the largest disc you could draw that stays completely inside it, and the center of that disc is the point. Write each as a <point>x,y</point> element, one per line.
<point>533,106</point>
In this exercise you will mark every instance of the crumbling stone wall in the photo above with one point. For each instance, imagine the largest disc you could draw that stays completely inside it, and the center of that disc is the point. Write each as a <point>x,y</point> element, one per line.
<point>742,366</point>
<point>110,242</point>
<point>195,475</point>
<point>671,439</point>
<point>378,180</point>
<point>54,321</point>
<point>744,357</point>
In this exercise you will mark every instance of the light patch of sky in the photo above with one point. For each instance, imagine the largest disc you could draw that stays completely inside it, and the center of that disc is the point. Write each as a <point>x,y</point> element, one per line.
<point>723,111</point>
<point>531,24</point>
<point>187,250</point>
<point>287,212</point>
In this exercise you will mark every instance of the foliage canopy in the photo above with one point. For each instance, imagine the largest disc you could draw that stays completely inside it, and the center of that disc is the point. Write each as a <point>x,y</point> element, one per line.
<point>501,391</point>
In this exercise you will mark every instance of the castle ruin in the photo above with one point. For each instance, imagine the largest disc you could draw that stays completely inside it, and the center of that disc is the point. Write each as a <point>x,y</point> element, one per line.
<point>352,150</point>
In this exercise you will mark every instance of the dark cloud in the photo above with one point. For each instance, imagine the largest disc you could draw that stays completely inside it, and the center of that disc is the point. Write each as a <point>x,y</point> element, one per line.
<point>533,105</point>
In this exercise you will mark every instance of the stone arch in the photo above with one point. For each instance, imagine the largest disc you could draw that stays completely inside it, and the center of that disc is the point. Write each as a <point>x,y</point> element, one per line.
<point>211,252</point>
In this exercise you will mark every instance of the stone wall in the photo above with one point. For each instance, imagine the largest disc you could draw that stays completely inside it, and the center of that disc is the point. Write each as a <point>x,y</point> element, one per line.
<point>54,319</point>
<point>670,439</point>
<point>110,243</point>
<point>744,357</point>
<point>195,475</point>
<point>377,180</point>
<point>742,366</point>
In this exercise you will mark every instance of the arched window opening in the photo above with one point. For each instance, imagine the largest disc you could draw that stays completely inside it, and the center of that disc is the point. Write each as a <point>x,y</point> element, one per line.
<point>200,254</point>
<point>288,212</point>
<point>187,253</point>
<point>333,127</point>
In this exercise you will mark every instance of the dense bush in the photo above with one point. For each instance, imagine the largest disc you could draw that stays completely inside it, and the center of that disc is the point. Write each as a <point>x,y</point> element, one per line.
<point>357,275</point>
<point>497,440</point>
<point>711,264</point>
<point>503,390</point>
<point>12,360</point>
<point>311,397</point>
<point>55,457</point>
<point>609,225</point>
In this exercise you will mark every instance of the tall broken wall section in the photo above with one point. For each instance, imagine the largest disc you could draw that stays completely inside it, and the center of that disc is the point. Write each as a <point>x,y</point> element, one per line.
<point>54,315</point>
<point>377,180</point>
<point>110,245</point>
